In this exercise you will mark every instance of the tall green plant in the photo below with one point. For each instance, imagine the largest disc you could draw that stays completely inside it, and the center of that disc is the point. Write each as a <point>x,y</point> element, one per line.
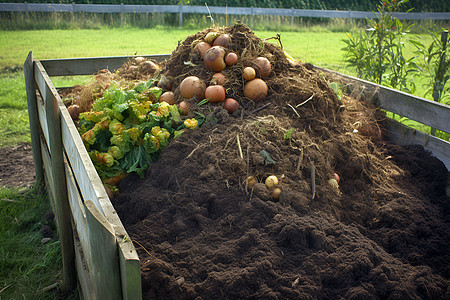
<point>434,64</point>
<point>377,52</point>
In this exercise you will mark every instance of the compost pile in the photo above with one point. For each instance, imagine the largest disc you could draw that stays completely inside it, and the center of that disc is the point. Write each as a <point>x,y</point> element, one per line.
<point>356,218</point>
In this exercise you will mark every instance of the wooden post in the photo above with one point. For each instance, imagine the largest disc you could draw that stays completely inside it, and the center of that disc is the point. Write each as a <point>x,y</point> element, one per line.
<point>122,17</point>
<point>63,212</point>
<point>105,261</point>
<point>292,15</point>
<point>28,69</point>
<point>180,15</point>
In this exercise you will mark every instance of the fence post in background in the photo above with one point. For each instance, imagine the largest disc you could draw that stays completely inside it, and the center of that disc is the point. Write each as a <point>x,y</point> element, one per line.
<point>180,15</point>
<point>28,69</point>
<point>292,15</point>
<point>122,20</point>
<point>74,9</point>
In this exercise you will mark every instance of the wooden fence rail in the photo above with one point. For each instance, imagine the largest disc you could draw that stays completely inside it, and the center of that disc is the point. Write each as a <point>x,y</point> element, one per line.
<point>219,10</point>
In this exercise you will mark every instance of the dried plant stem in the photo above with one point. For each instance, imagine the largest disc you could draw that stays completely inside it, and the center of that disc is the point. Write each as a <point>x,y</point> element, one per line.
<point>239,146</point>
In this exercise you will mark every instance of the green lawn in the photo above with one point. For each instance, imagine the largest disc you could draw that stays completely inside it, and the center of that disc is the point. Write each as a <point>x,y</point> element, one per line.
<point>321,48</point>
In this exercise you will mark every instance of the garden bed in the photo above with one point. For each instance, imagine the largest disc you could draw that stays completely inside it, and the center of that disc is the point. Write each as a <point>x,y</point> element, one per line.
<point>201,231</point>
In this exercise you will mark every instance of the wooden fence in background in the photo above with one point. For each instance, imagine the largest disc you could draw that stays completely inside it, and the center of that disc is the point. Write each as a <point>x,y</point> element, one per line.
<point>218,10</point>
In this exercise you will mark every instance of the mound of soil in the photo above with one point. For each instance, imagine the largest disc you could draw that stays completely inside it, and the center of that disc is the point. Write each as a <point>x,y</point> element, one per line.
<point>202,233</point>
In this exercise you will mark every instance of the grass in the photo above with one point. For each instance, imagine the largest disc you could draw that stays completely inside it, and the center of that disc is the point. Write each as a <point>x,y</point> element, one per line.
<point>29,269</point>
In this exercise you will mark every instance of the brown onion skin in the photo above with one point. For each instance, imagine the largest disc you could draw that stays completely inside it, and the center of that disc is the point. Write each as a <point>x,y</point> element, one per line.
<point>249,73</point>
<point>222,40</point>
<point>231,105</point>
<point>231,59</point>
<point>167,97</point>
<point>215,93</point>
<point>262,67</point>
<point>202,47</point>
<point>184,106</point>
<point>218,78</point>
<point>74,111</point>
<point>192,86</point>
<point>214,59</point>
<point>256,89</point>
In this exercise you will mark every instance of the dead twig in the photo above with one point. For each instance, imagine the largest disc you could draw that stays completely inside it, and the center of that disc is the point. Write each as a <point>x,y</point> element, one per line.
<point>239,146</point>
<point>304,102</point>
<point>313,181</point>
<point>277,37</point>
<point>294,110</point>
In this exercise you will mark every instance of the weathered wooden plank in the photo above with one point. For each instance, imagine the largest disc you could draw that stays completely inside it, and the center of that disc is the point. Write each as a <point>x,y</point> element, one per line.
<point>84,172</point>
<point>47,167</point>
<point>404,135</point>
<point>130,270</point>
<point>105,261</point>
<point>84,279</point>
<point>90,185</point>
<point>90,65</point>
<point>42,117</point>
<point>431,113</point>
<point>62,212</point>
<point>28,69</point>
<point>78,213</point>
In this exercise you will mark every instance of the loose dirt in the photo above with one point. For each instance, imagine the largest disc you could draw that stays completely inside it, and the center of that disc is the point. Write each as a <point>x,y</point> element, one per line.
<point>202,233</point>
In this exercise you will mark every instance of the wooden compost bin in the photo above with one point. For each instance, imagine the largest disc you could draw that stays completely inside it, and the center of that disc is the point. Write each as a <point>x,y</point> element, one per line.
<point>95,244</point>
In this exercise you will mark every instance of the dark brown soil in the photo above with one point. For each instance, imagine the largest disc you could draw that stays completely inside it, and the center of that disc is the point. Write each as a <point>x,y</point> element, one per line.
<point>202,233</point>
<point>16,166</point>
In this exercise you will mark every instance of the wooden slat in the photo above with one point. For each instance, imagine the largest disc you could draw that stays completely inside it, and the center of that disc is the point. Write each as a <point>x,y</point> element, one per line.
<point>83,169</point>
<point>90,65</point>
<point>130,271</point>
<point>46,164</point>
<point>28,69</point>
<point>105,261</point>
<point>62,211</point>
<point>90,185</point>
<point>431,113</point>
<point>84,279</point>
<point>78,213</point>
<point>404,135</point>
<point>42,116</point>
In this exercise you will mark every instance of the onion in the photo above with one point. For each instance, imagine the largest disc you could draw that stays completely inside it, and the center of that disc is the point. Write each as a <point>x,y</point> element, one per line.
<point>192,85</point>
<point>202,47</point>
<point>167,97</point>
<point>211,36</point>
<point>336,177</point>
<point>276,193</point>
<point>262,67</point>
<point>165,83</point>
<point>231,59</point>
<point>215,93</point>
<point>184,106</point>
<point>148,67</point>
<point>139,59</point>
<point>231,105</point>
<point>251,181</point>
<point>74,111</point>
<point>256,89</point>
<point>214,58</point>
<point>222,40</point>
<point>271,181</point>
<point>218,78</point>
<point>249,73</point>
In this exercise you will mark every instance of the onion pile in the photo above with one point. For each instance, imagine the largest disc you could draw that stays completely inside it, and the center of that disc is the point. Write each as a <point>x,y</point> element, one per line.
<point>214,49</point>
